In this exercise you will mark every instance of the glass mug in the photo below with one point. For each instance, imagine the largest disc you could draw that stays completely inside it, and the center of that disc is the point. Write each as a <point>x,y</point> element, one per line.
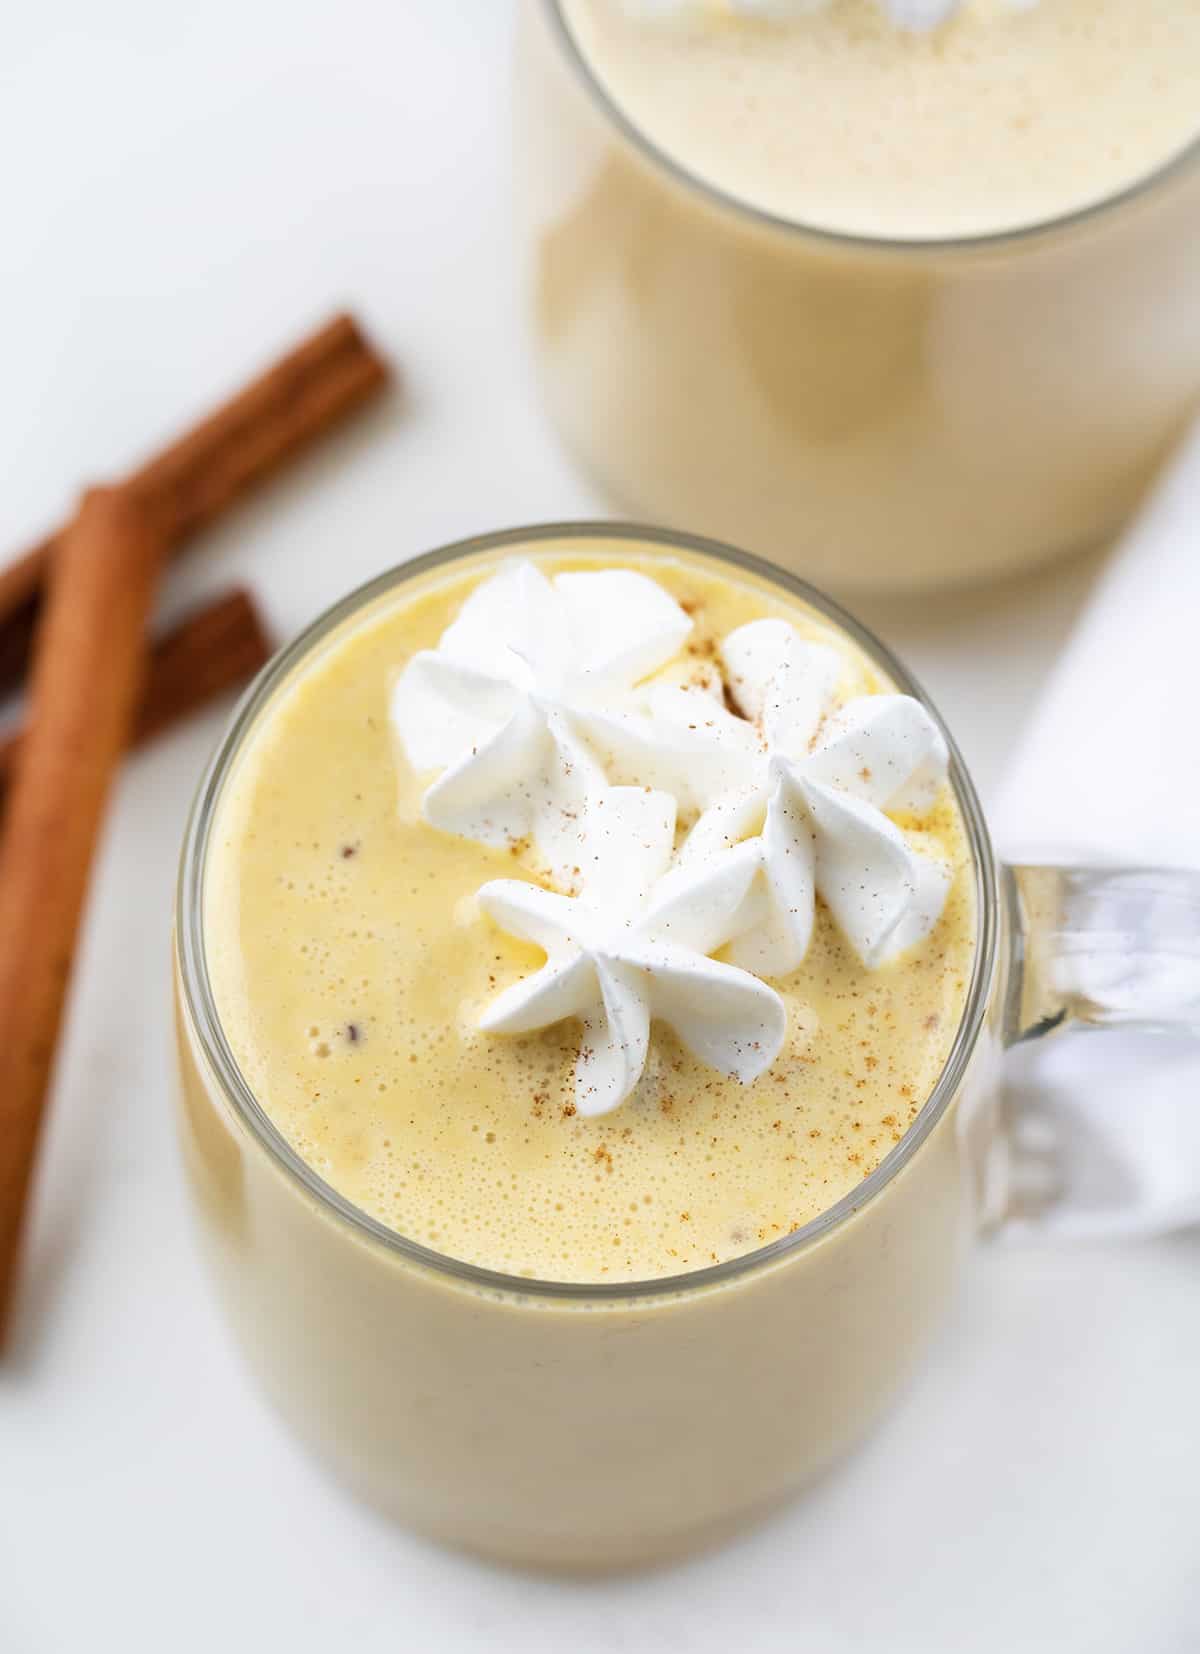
<point>866,412</point>
<point>598,1426</point>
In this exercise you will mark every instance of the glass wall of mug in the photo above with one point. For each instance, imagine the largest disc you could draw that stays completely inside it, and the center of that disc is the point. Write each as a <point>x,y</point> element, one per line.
<point>868,413</point>
<point>560,1424</point>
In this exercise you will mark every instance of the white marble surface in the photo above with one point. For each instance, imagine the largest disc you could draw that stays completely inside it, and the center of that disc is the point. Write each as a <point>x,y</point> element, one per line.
<point>182,191</point>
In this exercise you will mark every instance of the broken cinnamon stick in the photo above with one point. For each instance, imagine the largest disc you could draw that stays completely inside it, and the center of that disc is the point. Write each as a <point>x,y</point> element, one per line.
<point>216,649</point>
<point>192,481</point>
<point>87,674</point>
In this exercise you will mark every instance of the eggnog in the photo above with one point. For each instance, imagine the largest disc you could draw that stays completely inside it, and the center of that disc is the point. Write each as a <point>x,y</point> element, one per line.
<point>351,963</point>
<point>894,308</point>
<point>583,954</point>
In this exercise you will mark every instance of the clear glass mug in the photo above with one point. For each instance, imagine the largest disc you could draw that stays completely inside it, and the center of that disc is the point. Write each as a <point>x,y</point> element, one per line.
<point>868,413</point>
<point>580,1426</point>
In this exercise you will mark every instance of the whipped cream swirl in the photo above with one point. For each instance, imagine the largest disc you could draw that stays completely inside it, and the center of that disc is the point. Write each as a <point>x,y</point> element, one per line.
<point>559,719</point>
<point>632,948</point>
<point>798,791</point>
<point>494,706</point>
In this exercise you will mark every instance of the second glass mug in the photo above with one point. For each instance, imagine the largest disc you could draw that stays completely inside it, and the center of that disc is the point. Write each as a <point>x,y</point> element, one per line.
<point>597,1426</point>
<point>866,412</point>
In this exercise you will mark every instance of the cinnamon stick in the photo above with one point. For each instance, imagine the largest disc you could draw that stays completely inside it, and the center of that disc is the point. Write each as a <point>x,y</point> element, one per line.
<point>213,650</point>
<point>87,675</point>
<point>197,477</point>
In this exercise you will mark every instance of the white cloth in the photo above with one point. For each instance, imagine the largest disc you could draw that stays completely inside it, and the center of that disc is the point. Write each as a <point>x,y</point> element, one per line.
<point>1110,772</point>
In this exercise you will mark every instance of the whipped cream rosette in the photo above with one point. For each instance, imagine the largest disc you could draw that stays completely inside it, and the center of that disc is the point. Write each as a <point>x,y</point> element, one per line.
<point>798,789</point>
<point>632,948</point>
<point>555,712</point>
<point>493,706</point>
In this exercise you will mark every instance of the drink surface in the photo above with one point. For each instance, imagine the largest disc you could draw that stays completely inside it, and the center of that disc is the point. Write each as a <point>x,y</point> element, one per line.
<point>350,963</point>
<point>1001,118</point>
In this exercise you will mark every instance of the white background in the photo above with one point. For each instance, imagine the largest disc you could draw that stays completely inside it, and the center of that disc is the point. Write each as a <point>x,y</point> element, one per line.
<point>183,191</point>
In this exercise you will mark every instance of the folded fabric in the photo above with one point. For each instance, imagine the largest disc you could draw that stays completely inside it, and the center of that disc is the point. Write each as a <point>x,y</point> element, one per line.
<point>1107,1127</point>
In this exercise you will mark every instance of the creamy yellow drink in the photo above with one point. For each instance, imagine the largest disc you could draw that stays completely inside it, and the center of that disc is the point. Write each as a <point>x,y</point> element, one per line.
<point>581,989</point>
<point>839,119</point>
<point>351,963</point>
<point>869,300</point>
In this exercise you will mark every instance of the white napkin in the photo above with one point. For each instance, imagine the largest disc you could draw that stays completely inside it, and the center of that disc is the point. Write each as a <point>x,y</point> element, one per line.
<point>1110,772</point>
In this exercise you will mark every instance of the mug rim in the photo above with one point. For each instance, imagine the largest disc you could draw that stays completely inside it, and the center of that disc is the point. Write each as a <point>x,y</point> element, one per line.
<point>204,1023</point>
<point>713,195</point>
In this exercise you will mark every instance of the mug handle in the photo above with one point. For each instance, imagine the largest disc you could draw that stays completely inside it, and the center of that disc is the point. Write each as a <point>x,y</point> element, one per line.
<point>1098,947</point>
<point>1114,1149</point>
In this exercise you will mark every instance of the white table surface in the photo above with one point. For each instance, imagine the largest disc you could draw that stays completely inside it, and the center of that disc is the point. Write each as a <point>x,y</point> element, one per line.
<point>182,192</point>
